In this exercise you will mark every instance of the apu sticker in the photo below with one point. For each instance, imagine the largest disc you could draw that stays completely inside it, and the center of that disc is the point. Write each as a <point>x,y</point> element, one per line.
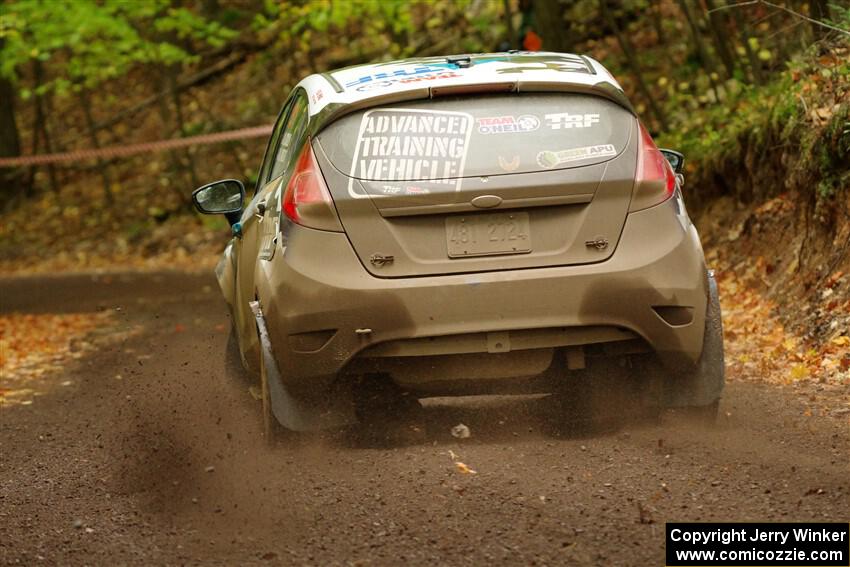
<point>397,144</point>
<point>566,120</point>
<point>550,159</point>
<point>508,124</point>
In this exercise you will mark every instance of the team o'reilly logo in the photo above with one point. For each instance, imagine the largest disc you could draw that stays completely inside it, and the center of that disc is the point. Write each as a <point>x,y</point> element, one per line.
<point>566,120</point>
<point>508,124</point>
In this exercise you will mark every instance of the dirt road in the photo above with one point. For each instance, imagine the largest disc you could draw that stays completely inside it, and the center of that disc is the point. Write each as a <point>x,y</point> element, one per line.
<point>166,466</point>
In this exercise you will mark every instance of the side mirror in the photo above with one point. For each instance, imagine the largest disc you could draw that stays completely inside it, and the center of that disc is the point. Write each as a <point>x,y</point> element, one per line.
<point>676,159</point>
<point>220,197</point>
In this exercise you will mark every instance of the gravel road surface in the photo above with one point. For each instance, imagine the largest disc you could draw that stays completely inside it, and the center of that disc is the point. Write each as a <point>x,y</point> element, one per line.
<point>153,456</point>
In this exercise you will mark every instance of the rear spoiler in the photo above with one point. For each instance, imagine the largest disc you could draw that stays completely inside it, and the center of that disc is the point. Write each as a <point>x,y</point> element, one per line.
<point>334,111</point>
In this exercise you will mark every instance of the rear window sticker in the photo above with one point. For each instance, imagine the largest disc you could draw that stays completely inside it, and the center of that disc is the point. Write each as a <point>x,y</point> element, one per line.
<point>566,120</point>
<point>396,144</point>
<point>508,124</point>
<point>509,164</point>
<point>550,159</point>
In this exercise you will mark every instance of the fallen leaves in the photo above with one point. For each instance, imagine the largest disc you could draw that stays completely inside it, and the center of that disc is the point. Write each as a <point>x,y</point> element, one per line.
<point>181,243</point>
<point>759,347</point>
<point>34,349</point>
<point>786,318</point>
<point>799,372</point>
<point>461,467</point>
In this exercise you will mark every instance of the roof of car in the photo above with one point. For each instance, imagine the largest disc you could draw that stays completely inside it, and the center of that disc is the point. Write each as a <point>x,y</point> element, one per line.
<point>406,79</point>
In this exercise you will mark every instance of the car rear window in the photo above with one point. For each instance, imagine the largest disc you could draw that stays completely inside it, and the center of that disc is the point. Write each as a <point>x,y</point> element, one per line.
<point>438,140</point>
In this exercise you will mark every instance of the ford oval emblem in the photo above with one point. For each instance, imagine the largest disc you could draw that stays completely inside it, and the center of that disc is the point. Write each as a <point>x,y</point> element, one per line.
<point>486,201</point>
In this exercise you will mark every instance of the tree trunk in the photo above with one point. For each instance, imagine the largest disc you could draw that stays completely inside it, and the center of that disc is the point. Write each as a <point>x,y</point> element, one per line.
<point>549,23</point>
<point>176,165</point>
<point>820,12</point>
<point>719,32</point>
<point>41,123</point>
<point>700,46</point>
<point>101,166</point>
<point>10,141</point>
<point>51,118</point>
<point>628,52</point>
<point>210,9</point>
<point>657,21</point>
<point>181,126</point>
<point>755,64</point>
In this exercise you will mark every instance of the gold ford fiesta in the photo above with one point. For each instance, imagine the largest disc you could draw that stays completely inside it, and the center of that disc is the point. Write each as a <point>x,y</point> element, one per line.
<point>465,225</point>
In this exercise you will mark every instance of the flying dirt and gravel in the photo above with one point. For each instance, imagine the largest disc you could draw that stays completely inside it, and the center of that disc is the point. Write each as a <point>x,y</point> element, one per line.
<point>153,455</point>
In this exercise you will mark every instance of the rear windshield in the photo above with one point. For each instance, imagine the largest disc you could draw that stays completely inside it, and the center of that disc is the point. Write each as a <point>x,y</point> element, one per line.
<point>450,138</point>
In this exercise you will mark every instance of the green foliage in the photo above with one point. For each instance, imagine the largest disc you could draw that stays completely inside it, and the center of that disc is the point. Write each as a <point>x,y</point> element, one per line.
<point>832,152</point>
<point>840,16</point>
<point>94,41</point>
<point>795,113</point>
<point>385,29</point>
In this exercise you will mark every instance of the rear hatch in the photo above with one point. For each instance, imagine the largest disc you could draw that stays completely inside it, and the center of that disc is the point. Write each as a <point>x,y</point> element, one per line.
<point>470,184</point>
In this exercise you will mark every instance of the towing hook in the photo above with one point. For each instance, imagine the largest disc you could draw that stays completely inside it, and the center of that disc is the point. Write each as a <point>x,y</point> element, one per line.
<point>600,243</point>
<point>379,260</point>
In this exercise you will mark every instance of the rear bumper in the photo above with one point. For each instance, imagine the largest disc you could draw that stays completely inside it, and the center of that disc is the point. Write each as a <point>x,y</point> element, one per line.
<point>319,300</point>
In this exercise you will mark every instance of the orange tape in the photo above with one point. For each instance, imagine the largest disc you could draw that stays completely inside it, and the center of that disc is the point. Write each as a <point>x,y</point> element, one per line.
<point>132,149</point>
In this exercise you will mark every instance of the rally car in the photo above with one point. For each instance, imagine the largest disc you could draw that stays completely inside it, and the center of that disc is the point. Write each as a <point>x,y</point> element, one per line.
<point>464,225</point>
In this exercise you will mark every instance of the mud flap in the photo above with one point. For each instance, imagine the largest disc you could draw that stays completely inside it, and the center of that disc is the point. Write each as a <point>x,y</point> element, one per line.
<point>290,411</point>
<point>702,385</point>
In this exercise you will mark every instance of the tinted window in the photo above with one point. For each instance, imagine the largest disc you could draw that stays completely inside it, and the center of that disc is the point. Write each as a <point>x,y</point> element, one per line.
<point>290,127</point>
<point>293,131</point>
<point>480,136</point>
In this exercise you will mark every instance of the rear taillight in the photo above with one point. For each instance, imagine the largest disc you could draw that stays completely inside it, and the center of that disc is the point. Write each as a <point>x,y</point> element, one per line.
<point>655,181</point>
<point>307,200</point>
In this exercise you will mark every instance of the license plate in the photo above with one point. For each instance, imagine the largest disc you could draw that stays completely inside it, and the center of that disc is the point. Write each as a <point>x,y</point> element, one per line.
<point>486,235</point>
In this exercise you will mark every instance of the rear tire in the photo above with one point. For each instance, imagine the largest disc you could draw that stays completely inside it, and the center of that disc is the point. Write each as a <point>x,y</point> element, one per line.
<point>698,391</point>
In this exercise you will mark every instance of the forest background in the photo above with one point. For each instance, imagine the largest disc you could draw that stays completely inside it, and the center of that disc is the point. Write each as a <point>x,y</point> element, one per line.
<point>756,94</point>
